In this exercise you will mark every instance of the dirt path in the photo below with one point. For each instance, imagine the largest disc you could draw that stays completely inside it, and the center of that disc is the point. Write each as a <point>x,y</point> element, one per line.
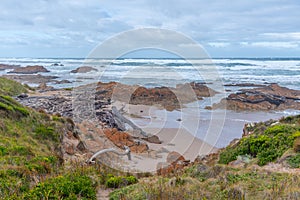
<point>103,194</point>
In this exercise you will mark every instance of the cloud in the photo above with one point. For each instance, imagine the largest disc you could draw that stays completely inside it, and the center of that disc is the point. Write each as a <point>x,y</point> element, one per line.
<point>219,44</point>
<point>288,36</point>
<point>272,44</point>
<point>81,25</point>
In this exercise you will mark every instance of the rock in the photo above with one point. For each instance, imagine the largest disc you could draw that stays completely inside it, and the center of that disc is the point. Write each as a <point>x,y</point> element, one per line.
<point>82,146</point>
<point>270,97</point>
<point>63,82</point>
<point>44,87</point>
<point>175,162</point>
<point>152,139</point>
<point>6,66</point>
<point>121,139</point>
<point>23,95</point>
<point>30,78</point>
<point>69,148</point>
<point>57,64</point>
<point>163,168</point>
<point>83,69</point>
<point>29,69</point>
<point>169,98</point>
<point>174,157</point>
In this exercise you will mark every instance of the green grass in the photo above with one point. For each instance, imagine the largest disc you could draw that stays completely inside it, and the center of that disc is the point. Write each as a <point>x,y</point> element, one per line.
<point>11,88</point>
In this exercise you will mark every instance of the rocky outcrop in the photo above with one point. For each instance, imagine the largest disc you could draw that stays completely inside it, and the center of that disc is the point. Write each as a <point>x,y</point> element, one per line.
<point>31,78</point>
<point>29,69</point>
<point>168,97</point>
<point>271,97</point>
<point>6,66</point>
<point>175,161</point>
<point>83,69</point>
<point>121,139</point>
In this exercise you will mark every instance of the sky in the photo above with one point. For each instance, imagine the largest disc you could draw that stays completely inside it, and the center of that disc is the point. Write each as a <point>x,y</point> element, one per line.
<point>73,28</point>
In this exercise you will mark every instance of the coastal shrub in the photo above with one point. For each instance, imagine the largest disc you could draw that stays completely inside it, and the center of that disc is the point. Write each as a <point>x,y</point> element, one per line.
<point>70,186</point>
<point>294,161</point>
<point>118,181</point>
<point>266,146</point>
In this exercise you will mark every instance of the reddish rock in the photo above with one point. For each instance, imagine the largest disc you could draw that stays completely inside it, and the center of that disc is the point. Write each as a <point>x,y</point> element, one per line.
<point>174,157</point>
<point>168,97</point>
<point>175,162</point>
<point>164,168</point>
<point>29,69</point>
<point>83,69</point>
<point>121,139</point>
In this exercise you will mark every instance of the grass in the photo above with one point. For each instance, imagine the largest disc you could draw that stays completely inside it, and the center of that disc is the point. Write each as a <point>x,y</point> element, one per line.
<point>12,88</point>
<point>229,183</point>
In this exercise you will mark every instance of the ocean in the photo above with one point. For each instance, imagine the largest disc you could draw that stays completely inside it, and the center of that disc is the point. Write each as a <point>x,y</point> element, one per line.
<point>169,72</point>
<point>157,72</point>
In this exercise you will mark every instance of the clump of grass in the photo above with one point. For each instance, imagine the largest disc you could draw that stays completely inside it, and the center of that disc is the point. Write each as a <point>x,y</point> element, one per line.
<point>11,88</point>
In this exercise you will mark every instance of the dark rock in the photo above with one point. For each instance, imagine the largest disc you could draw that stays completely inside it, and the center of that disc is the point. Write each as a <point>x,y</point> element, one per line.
<point>57,64</point>
<point>152,139</point>
<point>271,97</point>
<point>83,69</point>
<point>63,82</point>
<point>82,146</point>
<point>23,95</point>
<point>6,66</point>
<point>29,69</point>
<point>30,78</point>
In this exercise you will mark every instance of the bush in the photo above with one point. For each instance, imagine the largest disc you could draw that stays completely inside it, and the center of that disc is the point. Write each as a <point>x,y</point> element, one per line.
<point>118,181</point>
<point>294,161</point>
<point>266,146</point>
<point>71,186</point>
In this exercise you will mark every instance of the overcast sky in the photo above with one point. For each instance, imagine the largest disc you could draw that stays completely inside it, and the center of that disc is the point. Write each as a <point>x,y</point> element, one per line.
<point>73,28</point>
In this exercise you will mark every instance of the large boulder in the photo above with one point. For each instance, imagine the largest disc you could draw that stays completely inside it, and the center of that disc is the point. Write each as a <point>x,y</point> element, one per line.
<point>83,69</point>
<point>121,139</point>
<point>29,69</point>
<point>174,162</point>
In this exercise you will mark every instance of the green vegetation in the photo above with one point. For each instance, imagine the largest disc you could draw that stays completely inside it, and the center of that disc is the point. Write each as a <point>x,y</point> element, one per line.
<point>69,186</point>
<point>294,161</point>
<point>216,182</point>
<point>11,88</point>
<point>32,164</point>
<point>118,181</point>
<point>265,143</point>
<point>31,161</point>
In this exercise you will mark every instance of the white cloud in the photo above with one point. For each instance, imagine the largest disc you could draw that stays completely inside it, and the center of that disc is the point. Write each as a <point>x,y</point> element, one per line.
<point>219,44</point>
<point>272,44</point>
<point>289,35</point>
